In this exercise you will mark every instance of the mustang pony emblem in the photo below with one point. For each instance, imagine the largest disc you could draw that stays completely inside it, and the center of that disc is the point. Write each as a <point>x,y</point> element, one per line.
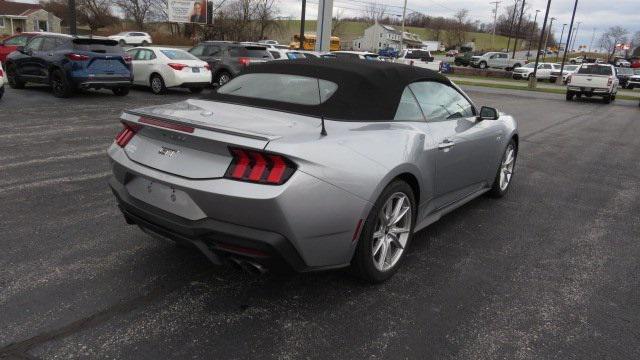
<point>168,152</point>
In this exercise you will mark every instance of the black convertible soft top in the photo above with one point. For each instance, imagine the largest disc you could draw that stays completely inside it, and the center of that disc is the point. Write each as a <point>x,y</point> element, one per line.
<point>367,90</point>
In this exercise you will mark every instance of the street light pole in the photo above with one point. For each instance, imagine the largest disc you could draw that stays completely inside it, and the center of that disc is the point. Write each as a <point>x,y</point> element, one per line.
<point>532,79</point>
<point>535,24</point>
<point>302,19</point>
<point>72,18</point>
<point>561,35</point>
<point>404,12</point>
<point>575,37</point>
<point>515,40</point>
<point>546,39</point>
<point>564,57</point>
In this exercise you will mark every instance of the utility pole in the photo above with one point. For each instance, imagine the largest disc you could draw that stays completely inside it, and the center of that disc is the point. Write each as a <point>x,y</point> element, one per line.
<point>302,19</point>
<point>535,24</point>
<point>560,41</point>
<point>404,12</point>
<point>532,80</point>
<point>495,23</point>
<point>72,18</point>
<point>564,57</point>
<point>515,40</point>
<point>544,57</point>
<point>323,28</point>
<point>593,36</point>
<point>513,19</point>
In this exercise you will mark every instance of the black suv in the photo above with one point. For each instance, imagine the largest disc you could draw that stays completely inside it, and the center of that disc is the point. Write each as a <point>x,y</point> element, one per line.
<point>68,63</point>
<point>227,58</point>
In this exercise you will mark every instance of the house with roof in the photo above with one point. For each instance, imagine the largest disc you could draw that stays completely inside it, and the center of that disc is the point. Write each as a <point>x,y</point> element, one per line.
<point>379,36</point>
<point>25,17</point>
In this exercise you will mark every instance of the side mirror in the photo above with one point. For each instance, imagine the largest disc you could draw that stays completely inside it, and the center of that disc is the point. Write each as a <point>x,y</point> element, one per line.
<point>488,113</point>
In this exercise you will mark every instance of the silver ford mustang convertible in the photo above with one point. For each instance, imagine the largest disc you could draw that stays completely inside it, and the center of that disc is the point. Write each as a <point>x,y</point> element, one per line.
<point>311,165</point>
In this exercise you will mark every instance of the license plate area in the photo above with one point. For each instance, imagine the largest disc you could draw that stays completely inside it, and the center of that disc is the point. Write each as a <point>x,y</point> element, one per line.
<point>164,197</point>
<point>196,69</point>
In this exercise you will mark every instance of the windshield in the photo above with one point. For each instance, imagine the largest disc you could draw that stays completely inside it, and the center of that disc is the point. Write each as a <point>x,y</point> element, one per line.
<point>178,55</point>
<point>595,70</point>
<point>529,66</point>
<point>292,89</point>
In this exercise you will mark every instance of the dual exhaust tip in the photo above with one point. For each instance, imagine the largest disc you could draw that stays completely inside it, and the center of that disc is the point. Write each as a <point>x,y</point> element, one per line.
<point>248,266</point>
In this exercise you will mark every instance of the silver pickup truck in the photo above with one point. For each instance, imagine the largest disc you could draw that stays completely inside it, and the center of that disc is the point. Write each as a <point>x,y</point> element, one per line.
<point>593,80</point>
<point>496,60</point>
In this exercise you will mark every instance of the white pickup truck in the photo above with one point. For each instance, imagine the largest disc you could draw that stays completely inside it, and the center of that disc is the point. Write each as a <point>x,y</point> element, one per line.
<point>593,80</point>
<point>496,60</point>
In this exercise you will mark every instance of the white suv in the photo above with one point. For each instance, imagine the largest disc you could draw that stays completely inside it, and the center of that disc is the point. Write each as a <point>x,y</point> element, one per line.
<point>132,38</point>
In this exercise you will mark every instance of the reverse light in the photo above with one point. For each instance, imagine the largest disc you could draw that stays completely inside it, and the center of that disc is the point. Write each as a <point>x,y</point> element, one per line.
<point>126,134</point>
<point>177,67</point>
<point>244,61</point>
<point>259,167</point>
<point>127,59</point>
<point>77,57</point>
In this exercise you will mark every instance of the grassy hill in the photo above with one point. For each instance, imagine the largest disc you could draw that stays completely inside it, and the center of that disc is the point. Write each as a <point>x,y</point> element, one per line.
<point>350,30</point>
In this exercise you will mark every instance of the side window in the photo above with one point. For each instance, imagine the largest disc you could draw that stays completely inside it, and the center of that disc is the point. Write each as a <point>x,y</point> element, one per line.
<point>145,54</point>
<point>213,50</point>
<point>17,41</point>
<point>440,102</point>
<point>133,53</point>
<point>48,44</point>
<point>408,108</point>
<point>197,51</point>
<point>35,44</point>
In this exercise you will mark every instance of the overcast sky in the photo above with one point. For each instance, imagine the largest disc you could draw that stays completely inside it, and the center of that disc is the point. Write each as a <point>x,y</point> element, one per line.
<point>598,14</point>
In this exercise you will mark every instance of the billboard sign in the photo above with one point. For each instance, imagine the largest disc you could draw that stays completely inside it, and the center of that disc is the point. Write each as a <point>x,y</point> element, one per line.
<point>187,11</point>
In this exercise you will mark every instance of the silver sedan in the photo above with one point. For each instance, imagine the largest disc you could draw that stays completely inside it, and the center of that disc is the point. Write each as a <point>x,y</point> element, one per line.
<point>311,164</point>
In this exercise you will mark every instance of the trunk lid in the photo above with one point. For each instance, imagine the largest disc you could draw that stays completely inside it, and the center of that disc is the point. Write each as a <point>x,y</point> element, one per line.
<point>192,138</point>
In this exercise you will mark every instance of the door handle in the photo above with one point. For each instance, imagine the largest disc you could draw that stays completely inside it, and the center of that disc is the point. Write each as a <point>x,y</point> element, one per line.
<point>446,144</point>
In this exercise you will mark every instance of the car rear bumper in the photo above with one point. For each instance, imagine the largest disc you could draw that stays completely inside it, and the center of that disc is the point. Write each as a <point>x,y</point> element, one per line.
<point>102,82</point>
<point>306,223</point>
<point>586,90</point>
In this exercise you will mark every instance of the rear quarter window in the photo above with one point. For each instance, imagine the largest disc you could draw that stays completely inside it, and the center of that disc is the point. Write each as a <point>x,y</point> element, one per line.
<point>178,55</point>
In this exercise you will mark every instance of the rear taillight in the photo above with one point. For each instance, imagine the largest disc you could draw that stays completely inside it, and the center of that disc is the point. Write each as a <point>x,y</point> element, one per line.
<point>244,61</point>
<point>126,134</point>
<point>569,79</point>
<point>77,57</point>
<point>178,67</point>
<point>127,59</point>
<point>1,73</point>
<point>259,167</point>
<point>610,81</point>
<point>207,67</point>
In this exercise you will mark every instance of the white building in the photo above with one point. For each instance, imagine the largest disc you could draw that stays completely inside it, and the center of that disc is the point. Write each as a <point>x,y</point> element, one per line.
<point>378,36</point>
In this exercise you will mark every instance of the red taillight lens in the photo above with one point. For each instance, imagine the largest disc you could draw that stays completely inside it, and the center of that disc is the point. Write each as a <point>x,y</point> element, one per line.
<point>610,82</point>
<point>1,73</point>
<point>127,59</point>
<point>244,61</point>
<point>126,134</point>
<point>207,67</point>
<point>259,167</point>
<point>77,57</point>
<point>178,67</point>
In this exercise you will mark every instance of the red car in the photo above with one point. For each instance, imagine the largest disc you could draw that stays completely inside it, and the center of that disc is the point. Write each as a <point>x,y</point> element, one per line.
<point>10,44</point>
<point>635,63</point>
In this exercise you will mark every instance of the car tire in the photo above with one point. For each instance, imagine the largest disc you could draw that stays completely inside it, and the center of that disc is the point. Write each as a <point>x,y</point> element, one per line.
<point>569,96</point>
<point>121,91</point>
<point>1,91</point>
<point>60,85</point>
<point>196,90</point>
<point>222,78</point>
<point>145,43</point>
<point>368,262</point>
<point>13,78</point>
<point>506,169</point>
<point>157,84</point>
<point>482,65</point>
<point>606,99</point>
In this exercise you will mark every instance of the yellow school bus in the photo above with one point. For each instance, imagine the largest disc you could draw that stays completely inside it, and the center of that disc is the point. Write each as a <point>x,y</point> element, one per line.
<point>310,42</point>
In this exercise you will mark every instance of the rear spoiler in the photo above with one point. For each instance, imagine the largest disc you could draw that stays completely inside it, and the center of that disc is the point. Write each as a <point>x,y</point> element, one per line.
<point>88,41</point>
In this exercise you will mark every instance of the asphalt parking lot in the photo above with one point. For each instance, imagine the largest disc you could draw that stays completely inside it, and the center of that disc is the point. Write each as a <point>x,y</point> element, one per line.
<point>550,271</point>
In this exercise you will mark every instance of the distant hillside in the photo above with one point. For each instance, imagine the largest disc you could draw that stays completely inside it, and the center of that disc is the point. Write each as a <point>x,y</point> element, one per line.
<point>350,30</point>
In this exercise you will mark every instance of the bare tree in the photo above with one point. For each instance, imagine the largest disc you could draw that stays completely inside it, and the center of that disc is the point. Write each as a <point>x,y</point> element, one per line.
<point>138,10</point>
<point>95,13</point>
<point>457,32</point>
<point>337,23</point>
<point>265,16</point>
<point>612,37</point>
